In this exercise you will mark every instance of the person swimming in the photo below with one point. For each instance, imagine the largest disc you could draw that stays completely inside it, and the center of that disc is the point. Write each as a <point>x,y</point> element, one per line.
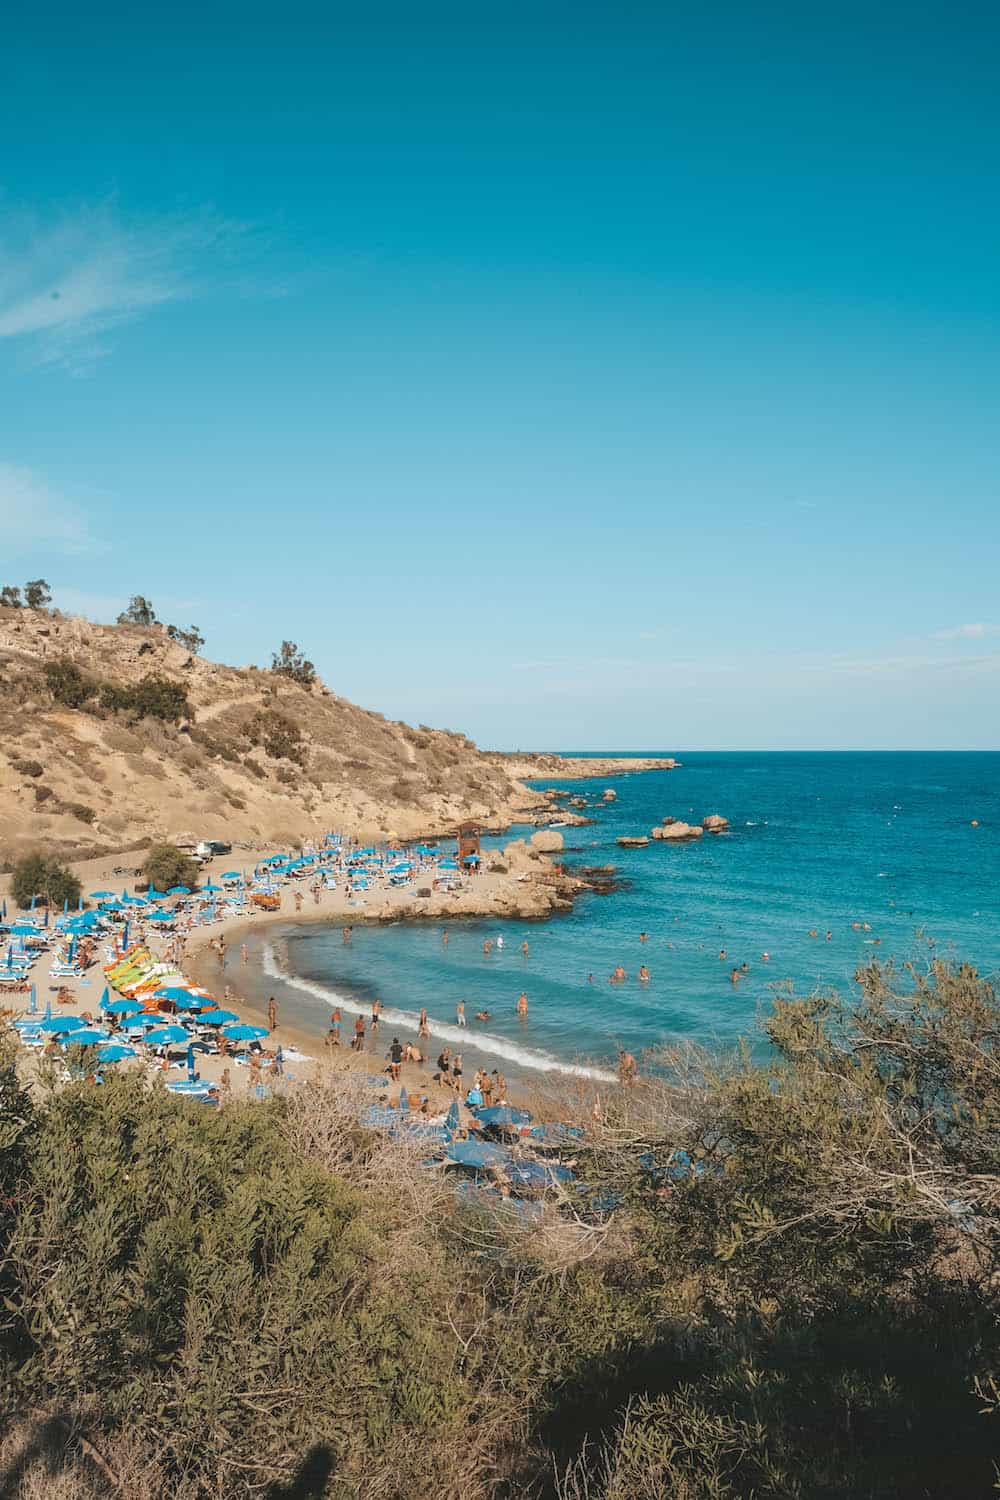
<point>482,1015</point>
<point>644,974</point>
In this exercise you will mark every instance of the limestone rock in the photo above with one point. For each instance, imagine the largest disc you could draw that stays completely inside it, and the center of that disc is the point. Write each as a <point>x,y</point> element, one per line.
<point>547,841</point>
<point>715,823</point>
<point>676,832</point>
<point>633,843</point>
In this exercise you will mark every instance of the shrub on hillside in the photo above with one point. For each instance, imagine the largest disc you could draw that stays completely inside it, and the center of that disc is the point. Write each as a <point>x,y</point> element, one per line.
<point>290,662</point>
<point>277,735</point>
<point>67,683</point>
<point>42,875</point>
<point>165,866</point>
<point>28,767</point>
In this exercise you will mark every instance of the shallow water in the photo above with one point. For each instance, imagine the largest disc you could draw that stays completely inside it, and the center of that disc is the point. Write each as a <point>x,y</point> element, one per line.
<point>816,841</point>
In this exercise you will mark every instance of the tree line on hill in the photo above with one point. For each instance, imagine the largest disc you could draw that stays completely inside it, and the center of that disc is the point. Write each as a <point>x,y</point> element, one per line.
<point>775,1279</point>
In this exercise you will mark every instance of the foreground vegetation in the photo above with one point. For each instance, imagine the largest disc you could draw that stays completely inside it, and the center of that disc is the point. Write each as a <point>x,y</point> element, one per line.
<point>271,1300</point>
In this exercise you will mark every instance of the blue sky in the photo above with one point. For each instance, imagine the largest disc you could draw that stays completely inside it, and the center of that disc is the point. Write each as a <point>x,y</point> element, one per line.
<point>578,375</point>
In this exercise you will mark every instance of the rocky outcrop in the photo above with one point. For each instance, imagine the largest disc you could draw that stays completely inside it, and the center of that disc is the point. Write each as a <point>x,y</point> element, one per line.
<point>547,841</point>
<point>715,823</point>
<point>676,832</point>
<point>634,843</point>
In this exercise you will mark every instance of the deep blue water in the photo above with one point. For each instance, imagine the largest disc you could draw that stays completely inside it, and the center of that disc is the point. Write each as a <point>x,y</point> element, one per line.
<point>817,841</point>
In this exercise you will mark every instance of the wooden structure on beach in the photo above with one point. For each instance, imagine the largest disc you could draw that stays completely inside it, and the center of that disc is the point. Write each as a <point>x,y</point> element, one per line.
<point>468,846</point>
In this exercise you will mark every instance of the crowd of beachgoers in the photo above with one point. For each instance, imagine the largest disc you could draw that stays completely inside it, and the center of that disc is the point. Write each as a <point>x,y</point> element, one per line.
<point>103,988</point>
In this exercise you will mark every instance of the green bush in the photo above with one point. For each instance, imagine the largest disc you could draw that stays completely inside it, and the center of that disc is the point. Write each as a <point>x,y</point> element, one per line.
<point>165,866</point>
<point>40,875</point>
<point>277,735</point>
<point>151,697</point>
<point>290,662</point>
<point>67,683</point>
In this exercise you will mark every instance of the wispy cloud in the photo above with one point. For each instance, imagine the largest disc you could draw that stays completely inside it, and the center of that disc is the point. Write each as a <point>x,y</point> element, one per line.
<point>32,514</point>
<point>65,285</point>
<point>967,632</point>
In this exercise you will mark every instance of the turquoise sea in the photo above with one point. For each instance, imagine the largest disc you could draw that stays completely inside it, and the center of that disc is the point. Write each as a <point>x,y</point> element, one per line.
<point>816,841</point>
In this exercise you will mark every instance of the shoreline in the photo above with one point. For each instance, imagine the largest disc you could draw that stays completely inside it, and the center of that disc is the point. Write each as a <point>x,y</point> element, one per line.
<point>299,999</point>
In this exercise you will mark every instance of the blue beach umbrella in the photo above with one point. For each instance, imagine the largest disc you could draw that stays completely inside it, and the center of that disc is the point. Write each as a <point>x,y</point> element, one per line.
<point>209,886</point>
<point>105,998</point>
<point>101,896</point>
<point>243,1033</point>
<point>477,1154</point>
<point>190,1002</point>
<point>404,1100</point>
<point>162,1036</point>
<point>123,1007</point>
<point>173,992</point>
<point>115,1052</point>
<point>536,1174</point>
<point>178,890</point>
<point>57,1024</point>
<point>503,1115</point>
<point>32,1002</point>
<point>87,1036</point>
<point>453,1119</point>
<point>23,929</point>
<point>142,1022</point>
<point>232,875</point>
<point>218,1017</point>
<point>34,898</point>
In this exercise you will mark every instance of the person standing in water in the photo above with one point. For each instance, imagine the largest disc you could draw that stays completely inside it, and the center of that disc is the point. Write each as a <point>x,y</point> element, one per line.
<point>522,1006</point>
<point>524,948</point>
<point>376,1013</point>
<point>444,937</point>
<point>460,1013</point>
<point>422,1027</point>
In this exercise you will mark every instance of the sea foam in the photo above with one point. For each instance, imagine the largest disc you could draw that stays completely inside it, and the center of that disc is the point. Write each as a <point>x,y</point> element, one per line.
<point>480,1041</point>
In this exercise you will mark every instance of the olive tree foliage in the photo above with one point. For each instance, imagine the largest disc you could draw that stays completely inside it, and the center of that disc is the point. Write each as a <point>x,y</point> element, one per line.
<point>192,638</point>
<point>138,612</point>
<point>166,866</point>
<point>41,875</point>
<point>292,663</point>
<point>36,595</point>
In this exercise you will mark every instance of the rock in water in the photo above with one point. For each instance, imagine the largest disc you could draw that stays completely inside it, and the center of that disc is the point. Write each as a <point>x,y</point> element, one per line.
<point>547,841</point>
<point>715,823</point>
<point>677,833</point>
<point>636,843</point>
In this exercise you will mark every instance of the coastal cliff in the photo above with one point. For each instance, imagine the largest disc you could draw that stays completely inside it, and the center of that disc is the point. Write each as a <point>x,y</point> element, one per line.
<point>115,736</point>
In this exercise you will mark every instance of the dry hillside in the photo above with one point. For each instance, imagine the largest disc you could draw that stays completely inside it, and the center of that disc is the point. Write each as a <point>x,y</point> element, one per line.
<point>259,758</point>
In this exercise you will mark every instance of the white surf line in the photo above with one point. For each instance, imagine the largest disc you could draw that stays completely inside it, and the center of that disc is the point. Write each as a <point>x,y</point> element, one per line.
<point>480,1041</point>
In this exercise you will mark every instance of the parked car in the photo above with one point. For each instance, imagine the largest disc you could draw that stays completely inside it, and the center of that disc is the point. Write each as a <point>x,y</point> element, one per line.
<point>209,848</point>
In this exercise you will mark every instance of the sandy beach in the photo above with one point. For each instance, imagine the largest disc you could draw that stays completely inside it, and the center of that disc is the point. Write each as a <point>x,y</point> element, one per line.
<point>242,985</point>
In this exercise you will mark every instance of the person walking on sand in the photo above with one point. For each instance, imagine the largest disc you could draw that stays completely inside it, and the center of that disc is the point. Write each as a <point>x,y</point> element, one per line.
<point>359,1035</point>
<point>522,1006</point>
<point>460,1013</point>
<point>395,1059</point>
<point>444,1065</point>
<point>272,1014</point>
<point>243,952</point>
<point>627,1068</point>
<point>456,1071</point>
